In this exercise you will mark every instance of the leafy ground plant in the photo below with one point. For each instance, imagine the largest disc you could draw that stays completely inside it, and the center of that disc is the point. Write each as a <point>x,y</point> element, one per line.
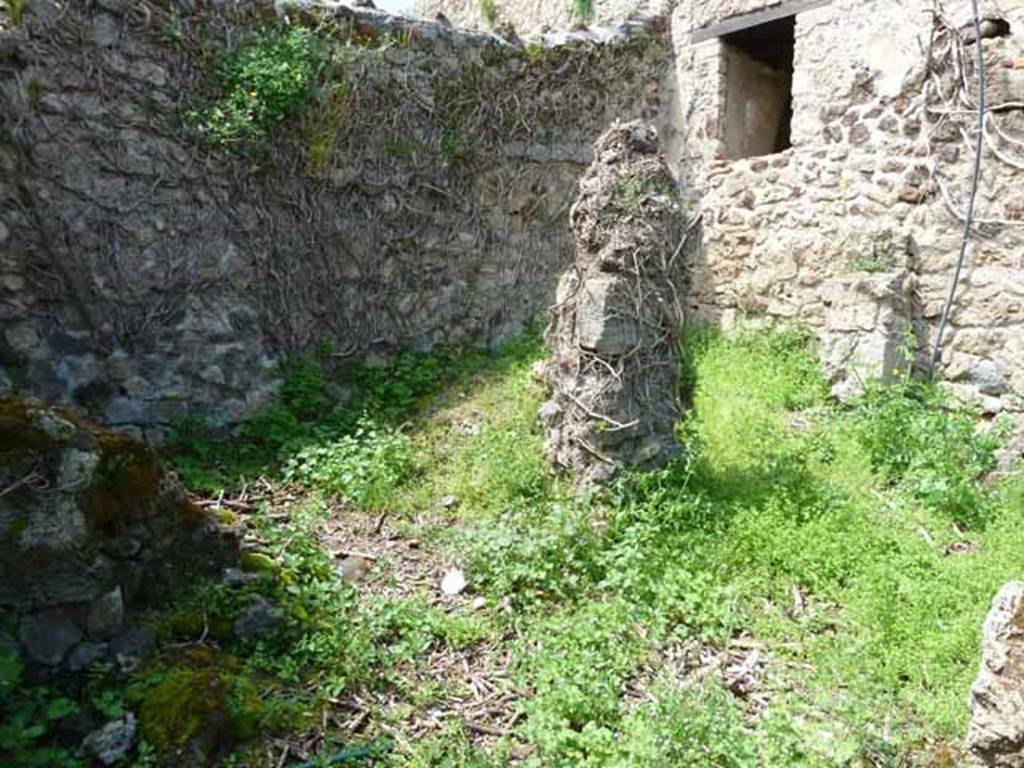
<point>804,587</point>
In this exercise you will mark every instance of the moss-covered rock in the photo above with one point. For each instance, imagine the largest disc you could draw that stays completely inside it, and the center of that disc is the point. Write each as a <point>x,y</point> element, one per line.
<point>87,511</point>
<point>197,707</point>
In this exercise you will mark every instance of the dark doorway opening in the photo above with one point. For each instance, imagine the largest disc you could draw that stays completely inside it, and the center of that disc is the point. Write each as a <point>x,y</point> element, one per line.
<point>759,88</point>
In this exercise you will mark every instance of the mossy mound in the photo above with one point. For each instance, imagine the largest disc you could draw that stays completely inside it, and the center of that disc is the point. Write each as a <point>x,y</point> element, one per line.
<point>197,708</point>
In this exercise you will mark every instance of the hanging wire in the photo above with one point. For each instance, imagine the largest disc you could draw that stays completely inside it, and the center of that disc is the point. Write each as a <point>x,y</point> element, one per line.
<point>969,220</point>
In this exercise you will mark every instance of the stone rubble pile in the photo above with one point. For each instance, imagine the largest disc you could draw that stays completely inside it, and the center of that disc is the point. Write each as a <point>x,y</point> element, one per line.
<point>92,526</point>
<point>614,369</point>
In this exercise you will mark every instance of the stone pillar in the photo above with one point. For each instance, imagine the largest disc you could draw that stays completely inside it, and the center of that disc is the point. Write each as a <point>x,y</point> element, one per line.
<point>996,735</point>
<point>614,368</point>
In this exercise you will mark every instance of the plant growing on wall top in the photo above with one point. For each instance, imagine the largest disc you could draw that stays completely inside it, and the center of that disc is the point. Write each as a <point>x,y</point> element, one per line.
<point>582,11</point>
<point>489,12</point>
<point>266,81</point>
<point>15,9</point>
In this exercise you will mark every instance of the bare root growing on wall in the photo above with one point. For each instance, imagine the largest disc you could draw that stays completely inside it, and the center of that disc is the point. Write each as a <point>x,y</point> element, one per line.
<point>613,338</point>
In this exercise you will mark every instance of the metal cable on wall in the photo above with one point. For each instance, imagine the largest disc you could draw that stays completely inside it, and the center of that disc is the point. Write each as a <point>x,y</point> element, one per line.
<point>976,178</point>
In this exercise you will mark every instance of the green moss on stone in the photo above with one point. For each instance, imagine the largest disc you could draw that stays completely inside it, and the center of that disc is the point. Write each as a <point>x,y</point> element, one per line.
<point>198,708</point>
<point>257,562</point>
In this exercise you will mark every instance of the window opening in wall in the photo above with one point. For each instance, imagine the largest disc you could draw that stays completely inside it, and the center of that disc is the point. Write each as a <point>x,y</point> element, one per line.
<point>758,98</point>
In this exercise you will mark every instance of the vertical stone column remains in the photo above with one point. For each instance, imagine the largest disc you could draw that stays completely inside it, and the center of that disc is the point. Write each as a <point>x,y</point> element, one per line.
<point>996,735</point>
<point>613,367</point>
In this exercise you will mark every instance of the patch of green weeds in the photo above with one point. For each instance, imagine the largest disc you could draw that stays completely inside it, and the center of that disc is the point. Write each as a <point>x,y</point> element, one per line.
<point>930,445</point>
<point>631,192</point>
<point>858,545</point>
<point>331,443</point>
<point>582,11</point>
<point>28,717</point>
<point>699,725</point>
<point>576,662</point>
<point>15,9</point>
<point>535,51</point>
<point>363,468</point>
<point>489,12</point>
<point>537,555</point>
<point>322,125</point>
<point>268,79</point>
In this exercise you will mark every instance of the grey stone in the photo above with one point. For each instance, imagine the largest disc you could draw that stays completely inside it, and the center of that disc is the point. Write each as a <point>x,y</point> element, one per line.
<point>124,410</point>
<point>996,734</point>
<point>65,343</point>
<point>48,636</point>
<point>123,547</point>
<point>989,378</point>
<point>352,568</point>
<point>77,468</point>
<point>106,615</point>
<point>134,641</point>
<point>105,31</point>
<point>549,412</point>
<point>601,325</point>
<point>236,577</point>
<point>85,654</point>
<point>111,743</point>
<point>23,339</point>
<point>259,620</point>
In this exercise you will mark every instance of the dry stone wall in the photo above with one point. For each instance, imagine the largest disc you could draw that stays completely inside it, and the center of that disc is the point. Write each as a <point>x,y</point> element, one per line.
<point>538,15</point>
<point>144,276</point>
<point>93,528</point>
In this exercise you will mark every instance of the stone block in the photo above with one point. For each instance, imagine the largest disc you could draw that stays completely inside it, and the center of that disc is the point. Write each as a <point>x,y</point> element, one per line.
<point>605,324</point>
<point>996,735</point>
<point>868,329</point>
<point>47,637</point>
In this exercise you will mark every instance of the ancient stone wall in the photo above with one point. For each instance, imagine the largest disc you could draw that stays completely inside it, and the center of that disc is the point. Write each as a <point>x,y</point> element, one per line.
<point>537,15</point>
<point>93,528</point>
<point>422,198</point>
<point>855,230</point>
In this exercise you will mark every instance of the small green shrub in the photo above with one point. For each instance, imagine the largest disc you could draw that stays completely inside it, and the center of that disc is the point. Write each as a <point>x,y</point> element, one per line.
<point>28,715</point>
<point>363,468</point>
<point>489,12</point>
<point>304,391</point>
<point>582,11</point>
<point>263,83</point>
<point>920,439</point>
<point>16,9</point>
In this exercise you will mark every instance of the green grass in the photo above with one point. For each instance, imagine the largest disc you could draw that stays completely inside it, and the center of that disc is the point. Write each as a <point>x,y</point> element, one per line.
<point>823,532</point>
<point>855,548</point>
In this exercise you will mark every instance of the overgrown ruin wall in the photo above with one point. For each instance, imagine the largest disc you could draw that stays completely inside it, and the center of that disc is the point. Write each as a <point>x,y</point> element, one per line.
<point>143,276</point>
<point>424,200</point>
<point>854,230</point>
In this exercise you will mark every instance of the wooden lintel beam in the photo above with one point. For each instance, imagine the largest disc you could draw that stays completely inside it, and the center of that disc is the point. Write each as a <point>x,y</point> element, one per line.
<point>747,20</point>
